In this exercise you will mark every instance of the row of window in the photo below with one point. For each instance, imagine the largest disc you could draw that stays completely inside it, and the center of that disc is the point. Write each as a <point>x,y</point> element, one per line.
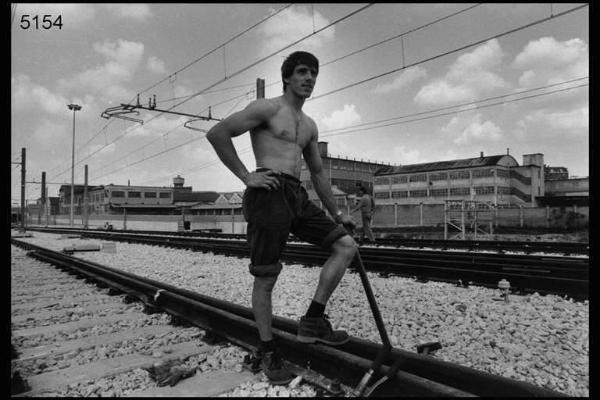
<point>442,176</point>
<point>138,195</point>
<point>462,191</point>
<point>348,165</point>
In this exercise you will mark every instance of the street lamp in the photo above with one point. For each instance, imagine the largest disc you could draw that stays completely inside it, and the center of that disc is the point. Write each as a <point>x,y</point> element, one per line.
<point>73,107</point>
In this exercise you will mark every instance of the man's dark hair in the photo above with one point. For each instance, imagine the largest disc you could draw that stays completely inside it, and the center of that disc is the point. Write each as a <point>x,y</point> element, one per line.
<point>363,189</point>
<point>294,59</point>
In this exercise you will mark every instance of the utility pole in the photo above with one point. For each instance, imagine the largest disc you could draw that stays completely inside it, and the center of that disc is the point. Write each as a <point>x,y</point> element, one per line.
<point>23,189</point>
<point>73,107</point>
<point>260,88</point>
<point>85,199</point>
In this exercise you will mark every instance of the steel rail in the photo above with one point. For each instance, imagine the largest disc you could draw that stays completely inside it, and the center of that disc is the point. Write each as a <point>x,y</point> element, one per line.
<point>527,273</point>
<point>566,248</point>
<point>419,375</point>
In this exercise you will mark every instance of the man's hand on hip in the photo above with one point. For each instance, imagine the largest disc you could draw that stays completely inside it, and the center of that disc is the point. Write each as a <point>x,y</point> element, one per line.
<point>266,180</point>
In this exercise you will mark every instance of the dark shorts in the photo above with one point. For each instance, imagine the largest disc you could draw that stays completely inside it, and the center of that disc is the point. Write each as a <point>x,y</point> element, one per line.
<point>272,215</point>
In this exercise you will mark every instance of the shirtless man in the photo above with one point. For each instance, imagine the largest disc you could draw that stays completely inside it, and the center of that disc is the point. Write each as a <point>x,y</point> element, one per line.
<point>276,204</point>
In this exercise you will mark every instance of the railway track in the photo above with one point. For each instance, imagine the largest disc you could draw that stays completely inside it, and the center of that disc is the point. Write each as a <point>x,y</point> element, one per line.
<point>526,273</point>
<point>418,375</point>
<point>500,246</point>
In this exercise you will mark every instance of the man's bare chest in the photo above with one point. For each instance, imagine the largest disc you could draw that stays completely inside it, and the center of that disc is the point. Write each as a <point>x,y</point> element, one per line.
<point>289,128</point>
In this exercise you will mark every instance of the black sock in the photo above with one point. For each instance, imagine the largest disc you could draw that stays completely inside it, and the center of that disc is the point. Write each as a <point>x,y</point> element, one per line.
<point>266,346</point>
<point>315,310</point>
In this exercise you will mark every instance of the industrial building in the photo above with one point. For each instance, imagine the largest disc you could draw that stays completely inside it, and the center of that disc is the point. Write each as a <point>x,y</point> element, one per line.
<point>345,175</point>
<point>496,179</point>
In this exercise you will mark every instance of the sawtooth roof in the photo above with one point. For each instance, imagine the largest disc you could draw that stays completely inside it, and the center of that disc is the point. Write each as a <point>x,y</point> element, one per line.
<point>443,165</point>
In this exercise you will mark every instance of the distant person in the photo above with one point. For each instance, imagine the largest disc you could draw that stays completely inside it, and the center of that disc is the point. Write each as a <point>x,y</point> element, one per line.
<point>275,204</point>
<point>367,208</point>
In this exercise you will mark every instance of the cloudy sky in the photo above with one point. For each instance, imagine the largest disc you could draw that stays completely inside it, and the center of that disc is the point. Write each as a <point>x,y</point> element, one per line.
<point>399,83</point>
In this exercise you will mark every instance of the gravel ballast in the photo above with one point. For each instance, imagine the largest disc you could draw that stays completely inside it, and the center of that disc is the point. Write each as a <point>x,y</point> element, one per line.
<point>539,339</point>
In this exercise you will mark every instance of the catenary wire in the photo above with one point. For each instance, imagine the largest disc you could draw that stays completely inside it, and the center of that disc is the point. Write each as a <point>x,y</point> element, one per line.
<point>429,59</point>
<point>510,31</point>
<point>229,77</point>
<point>247,149</point>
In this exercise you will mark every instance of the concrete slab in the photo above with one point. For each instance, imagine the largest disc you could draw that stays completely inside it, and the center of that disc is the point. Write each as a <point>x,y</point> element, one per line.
<point>69,302</point>
<point>55,380</point>
<point>47,314</point>
<point>29,302</point>
<point>54,349</point>
<point>209,384</point>
<point>52,287</point>
<point>71,326</point>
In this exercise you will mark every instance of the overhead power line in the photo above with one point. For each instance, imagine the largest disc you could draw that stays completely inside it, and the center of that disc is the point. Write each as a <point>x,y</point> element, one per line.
<point>395,70</point>
<point>235,74</point>
<point>460,105</point>
<point>508,32</point>
<point>350,129</point>
<point>457,111</point>
<point>216,48</point>
<point>166,150</point>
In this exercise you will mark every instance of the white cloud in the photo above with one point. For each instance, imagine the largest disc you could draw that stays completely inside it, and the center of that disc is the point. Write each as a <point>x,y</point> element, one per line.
<point>404,79</point>
<point>470,76</point>
<point>159,126</point>
<point>72,15</point>
<point>405,156</point>
<point>576,120</point>
<point>292,24</point>
<point>548,61</point>
<point>122,60</point>
<point>341,118</point>
<point>468,130</point>
<point>109,149</point>
<point>136,12</point>
<point>156,65</point>
<point>27,95</point>
<point>51,134</point>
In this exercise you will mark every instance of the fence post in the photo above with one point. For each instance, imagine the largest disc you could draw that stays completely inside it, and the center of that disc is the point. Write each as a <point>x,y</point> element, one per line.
<point>421,213</point>
<point>395,214</point>
<point>462,219</point>
<point>547,217</point>
<point>521,215</point>
<point>445,220</point>
<point>124,219</point>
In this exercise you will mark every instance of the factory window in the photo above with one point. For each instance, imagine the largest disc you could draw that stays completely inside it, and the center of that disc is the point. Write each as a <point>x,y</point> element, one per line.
<point>150,195</point>
<point>459,175</point>
<point>165,195</point>
<point>440,176</point>
<point>479,173</point>
<point>418,193</point>
<point>502,173</point>
<point>382,195</point>
<point>503,190</point>
<point>418,178</point>
<point>484,190</point>
<point>400,194</point>
<point>118,193</point>
<point>133,195</point>
<point>459,191</point>
<point>382,180</point>
<point>399,179</point>
<point>438,192</point>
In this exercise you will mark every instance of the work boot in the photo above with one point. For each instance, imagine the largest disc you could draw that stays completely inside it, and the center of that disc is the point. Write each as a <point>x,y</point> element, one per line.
<point>318,329</point>
<point>273,368</point>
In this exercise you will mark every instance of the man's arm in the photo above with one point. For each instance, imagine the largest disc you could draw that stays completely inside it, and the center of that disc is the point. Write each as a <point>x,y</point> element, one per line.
<point>219,136</point>
<point>320,180</point>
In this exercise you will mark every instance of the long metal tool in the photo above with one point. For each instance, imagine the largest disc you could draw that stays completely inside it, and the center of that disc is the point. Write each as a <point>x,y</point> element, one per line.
<point>387,347</point>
